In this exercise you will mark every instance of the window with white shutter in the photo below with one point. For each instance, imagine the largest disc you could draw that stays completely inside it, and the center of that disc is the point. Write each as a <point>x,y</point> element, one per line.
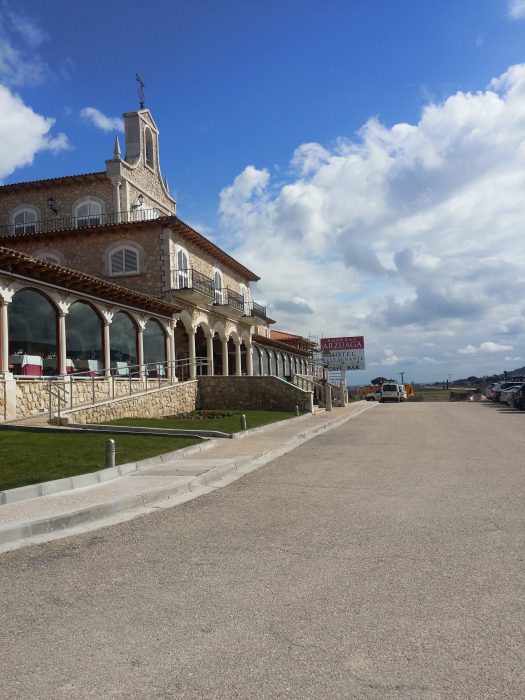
<point>124,261</point>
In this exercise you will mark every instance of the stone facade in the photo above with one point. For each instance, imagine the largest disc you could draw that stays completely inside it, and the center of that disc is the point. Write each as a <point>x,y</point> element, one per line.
<point>166,401</point>
<point>66,192</point>
<point>256,393</point>
<point>32,396</point>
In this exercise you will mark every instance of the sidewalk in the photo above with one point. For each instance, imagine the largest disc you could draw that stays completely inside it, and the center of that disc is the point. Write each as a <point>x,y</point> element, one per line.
<point>161,482</point>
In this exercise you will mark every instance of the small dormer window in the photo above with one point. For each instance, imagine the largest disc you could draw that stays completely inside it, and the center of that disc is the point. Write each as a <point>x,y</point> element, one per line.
<point>124,261</point>
<point>24,221</point>
<point>88,213</point>
<point>148,147</point>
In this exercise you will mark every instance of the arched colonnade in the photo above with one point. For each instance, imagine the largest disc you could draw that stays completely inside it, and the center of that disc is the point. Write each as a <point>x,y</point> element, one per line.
<point>45,332</point>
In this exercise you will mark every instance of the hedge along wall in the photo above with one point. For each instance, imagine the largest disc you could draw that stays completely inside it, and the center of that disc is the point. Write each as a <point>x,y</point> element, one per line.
<point>172,400</point>
<point>263,393</point>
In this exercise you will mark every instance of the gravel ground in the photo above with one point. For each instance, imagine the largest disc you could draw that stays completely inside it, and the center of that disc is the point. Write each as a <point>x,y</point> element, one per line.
<point>383,559</point>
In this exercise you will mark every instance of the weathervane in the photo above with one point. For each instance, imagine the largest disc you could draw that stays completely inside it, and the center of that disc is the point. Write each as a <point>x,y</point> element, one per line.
<point>138,78</point>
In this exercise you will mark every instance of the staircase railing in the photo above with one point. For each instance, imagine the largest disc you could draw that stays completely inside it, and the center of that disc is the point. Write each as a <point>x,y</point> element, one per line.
<point>142,378</point>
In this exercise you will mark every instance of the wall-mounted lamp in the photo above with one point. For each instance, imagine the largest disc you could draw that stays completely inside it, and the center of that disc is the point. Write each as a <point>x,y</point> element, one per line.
<point>51,204</point>
<point>140,202</point>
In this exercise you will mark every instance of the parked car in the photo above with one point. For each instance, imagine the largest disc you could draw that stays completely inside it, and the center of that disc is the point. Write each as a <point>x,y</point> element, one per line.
<point>507,395</point>
<point>496,392</point>
<point>403,391</point>
<point>518,398</point>
<point>490,390</point>
<point>373,395</point>
<point>390,392</point>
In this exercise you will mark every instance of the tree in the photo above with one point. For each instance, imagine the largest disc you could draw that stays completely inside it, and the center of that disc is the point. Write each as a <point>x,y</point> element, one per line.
<point>378,381</point>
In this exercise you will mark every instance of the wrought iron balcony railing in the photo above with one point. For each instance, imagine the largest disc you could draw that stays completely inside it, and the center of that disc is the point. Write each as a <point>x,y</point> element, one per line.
<point>67,222</point>
<point>193,280</point>
<point>235,300</point>
<point>255,310</point>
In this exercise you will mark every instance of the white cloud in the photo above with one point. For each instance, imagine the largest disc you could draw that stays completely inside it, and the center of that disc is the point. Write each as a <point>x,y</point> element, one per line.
<point>101,121</point>
<point>468,350</point>
<point>23,133</point>
<point>516,9</point>
<point>410,234</point>
<point>489,346</point>
<point>20,64</point>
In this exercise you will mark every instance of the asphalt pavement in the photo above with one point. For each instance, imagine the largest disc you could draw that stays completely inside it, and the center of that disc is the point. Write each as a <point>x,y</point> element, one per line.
<point>38,513</point>
<point>381,559</point>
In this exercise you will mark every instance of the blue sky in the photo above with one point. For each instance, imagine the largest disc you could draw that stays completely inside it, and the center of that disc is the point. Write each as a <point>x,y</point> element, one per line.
<point>364,157</point>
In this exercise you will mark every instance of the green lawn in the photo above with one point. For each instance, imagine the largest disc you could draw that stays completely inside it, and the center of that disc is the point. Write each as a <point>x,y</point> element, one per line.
<point>29,458</point>
<point>438,394</point>
<point>227,424</point>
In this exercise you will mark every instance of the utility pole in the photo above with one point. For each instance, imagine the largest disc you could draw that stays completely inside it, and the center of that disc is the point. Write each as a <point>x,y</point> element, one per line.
<point>402,376</point>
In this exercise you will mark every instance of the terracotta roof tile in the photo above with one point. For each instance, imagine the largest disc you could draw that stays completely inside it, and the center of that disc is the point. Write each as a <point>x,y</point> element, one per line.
<point>16,263</point>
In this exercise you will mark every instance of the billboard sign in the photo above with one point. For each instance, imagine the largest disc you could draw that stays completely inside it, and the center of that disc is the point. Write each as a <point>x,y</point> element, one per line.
<point>343,353</point>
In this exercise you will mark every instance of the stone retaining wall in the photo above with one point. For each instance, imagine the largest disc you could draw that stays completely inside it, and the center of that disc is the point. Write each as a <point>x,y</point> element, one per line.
<point>262,393</point>
<point>166,401</point>
<point>32,395</point>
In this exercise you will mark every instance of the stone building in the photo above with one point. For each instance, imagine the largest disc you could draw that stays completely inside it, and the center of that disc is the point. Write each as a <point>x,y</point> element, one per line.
<point>120,226</point>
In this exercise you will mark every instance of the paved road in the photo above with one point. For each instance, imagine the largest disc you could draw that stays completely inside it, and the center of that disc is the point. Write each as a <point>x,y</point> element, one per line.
<point>383,559</point>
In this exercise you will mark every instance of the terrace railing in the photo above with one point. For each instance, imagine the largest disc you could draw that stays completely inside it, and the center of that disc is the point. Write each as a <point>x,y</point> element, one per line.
<point>255,310</point>
<point>124,381</point>
<point>68,222</point>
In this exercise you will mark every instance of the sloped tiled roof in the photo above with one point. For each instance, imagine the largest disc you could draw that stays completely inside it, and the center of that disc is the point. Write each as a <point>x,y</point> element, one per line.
<point>173,222</point>
<point>16,263</point>
<point>51,182</point>
<point>276,344</point>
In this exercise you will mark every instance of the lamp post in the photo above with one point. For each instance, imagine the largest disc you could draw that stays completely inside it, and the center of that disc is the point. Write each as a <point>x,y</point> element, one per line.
<point>402,376</point>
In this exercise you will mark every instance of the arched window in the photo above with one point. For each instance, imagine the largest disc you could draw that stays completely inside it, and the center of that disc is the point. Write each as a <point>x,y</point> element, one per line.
<point>32,333</point>
<point>24,220</point>
<point>88,213</point>
<point>154,349</point>
<point>245,293</point>
<point>148,141</point>
<point>256,355</point>
<point>84,331</point>
<point>218,290</point>
<point>124,261</point>
<point>183,269</point>
<point>123,343</point>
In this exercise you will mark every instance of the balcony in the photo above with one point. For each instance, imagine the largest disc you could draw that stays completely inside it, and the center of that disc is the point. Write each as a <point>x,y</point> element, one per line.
<point>69,222</point>
<point>192,286</point>
<point>255,312</point>
<point>228,302</point>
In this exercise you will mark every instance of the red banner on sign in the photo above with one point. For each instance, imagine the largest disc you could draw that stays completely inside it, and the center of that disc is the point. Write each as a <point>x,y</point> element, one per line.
<point>356,342</point>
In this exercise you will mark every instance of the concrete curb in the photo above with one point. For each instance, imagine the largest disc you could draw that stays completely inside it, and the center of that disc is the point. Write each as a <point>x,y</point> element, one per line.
<point>46,488</point>
<point>16,535</point>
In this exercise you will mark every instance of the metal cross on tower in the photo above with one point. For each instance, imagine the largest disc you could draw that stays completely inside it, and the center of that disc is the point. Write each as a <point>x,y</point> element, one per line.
<point>138,78</point>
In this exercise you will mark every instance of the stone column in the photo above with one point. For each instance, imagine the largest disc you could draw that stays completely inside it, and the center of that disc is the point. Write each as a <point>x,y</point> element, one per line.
<point>209,353</point>
<point>5,337</point>
<point>191,348</point>
<point>224,345</point>
<point>140,350</point>
<point>238,371</point>
<point>171,351</point>
<point>62,349</point>
<point>106,348</point>
<point>249,359</point>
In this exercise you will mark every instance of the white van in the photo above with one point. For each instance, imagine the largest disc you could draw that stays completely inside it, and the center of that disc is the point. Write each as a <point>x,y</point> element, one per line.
<point>390,392</point>
<point>403,391</point>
